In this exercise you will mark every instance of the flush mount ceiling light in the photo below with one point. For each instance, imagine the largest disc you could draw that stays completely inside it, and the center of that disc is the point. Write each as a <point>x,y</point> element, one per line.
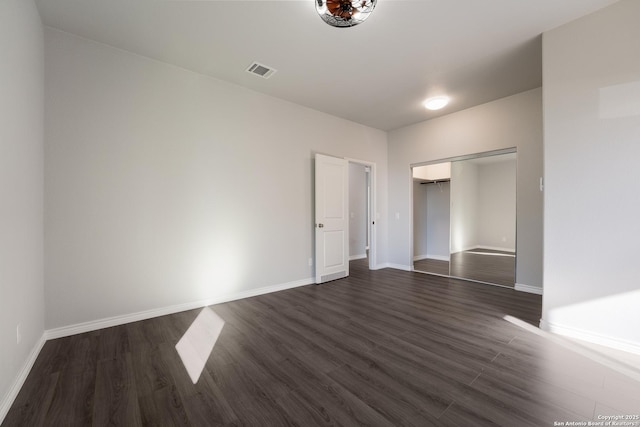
<point>436,103</point>
<point>344,13</point>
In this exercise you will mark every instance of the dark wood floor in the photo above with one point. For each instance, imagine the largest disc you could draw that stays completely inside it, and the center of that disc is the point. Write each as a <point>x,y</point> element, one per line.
<point>380,348</point>
<point>476,265</point>
<point>433,266</point>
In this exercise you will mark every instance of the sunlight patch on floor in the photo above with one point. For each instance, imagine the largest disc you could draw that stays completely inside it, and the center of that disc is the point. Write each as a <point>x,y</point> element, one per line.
<point>601,357</point>
<point>196,344</point>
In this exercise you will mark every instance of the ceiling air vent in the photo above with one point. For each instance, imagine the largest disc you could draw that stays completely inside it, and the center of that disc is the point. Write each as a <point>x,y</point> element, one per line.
<point>261,70</point>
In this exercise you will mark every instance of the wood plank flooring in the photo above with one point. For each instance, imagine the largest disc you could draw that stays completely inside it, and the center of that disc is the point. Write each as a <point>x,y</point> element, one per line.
<point>477,265</point>
<point>430,265</point>
<point>380,348</point>
<point>474,265</point>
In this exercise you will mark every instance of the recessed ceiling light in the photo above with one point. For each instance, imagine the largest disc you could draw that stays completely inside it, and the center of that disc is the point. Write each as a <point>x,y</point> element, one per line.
<point>436,102</point>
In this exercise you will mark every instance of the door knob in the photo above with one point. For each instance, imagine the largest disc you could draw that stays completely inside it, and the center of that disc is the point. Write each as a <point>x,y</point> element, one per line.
<point>320,225</point>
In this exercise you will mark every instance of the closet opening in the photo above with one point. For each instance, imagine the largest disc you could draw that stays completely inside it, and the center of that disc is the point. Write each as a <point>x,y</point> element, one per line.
<point>464,217</point>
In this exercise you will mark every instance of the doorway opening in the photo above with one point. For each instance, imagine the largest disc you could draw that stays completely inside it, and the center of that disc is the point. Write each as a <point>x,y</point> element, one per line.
<point>333,216</point>
<point>362,211</point>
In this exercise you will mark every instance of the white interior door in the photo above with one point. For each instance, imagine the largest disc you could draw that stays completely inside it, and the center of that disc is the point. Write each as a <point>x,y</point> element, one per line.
<point>332,223</point>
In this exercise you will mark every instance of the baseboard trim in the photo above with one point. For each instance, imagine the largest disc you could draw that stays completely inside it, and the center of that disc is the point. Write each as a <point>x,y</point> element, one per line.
<point>489,248</point>
<point>438,257</point>
<point>529,289</point>
<point>581,334</point>
<point>495,248</point>
<point>466,248</point>
<point>94,325</point>
<point>399,266</point>
<point>11,395</point>
<point>354,257</point>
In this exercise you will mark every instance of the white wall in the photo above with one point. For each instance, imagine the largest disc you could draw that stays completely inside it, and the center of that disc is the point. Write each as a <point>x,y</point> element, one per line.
<point>438,220</point>
<point>431,216</point>
<point>419,221</point>
<point>592,193</point>
<point>357,210</point>
<point>515,121</point>
<point>21,186</point>
<point>464,206</point>
<point>497,205</point>
<point>483,207</point>
<point>166,187</point>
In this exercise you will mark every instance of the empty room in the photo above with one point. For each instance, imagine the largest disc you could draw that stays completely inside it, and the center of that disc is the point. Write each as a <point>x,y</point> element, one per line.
<point>328,212</point>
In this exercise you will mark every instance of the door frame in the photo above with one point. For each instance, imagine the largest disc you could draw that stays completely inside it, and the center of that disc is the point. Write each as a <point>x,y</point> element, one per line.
<point>371,223</point>
<point>375,215</point>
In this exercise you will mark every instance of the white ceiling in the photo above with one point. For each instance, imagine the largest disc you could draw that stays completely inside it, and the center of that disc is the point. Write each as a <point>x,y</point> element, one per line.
<point>377,73</point>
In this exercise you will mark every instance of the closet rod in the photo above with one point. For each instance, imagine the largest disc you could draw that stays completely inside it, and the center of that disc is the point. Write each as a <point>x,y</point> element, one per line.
<point>438,181</point>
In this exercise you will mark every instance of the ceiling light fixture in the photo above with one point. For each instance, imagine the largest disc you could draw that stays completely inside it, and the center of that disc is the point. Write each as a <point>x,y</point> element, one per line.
<point>344,13</point>
<point>436,102</point>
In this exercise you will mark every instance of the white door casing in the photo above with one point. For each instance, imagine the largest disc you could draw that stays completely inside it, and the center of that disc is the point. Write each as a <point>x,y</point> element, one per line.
<point>372,213</point>
<point>331,219</point>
